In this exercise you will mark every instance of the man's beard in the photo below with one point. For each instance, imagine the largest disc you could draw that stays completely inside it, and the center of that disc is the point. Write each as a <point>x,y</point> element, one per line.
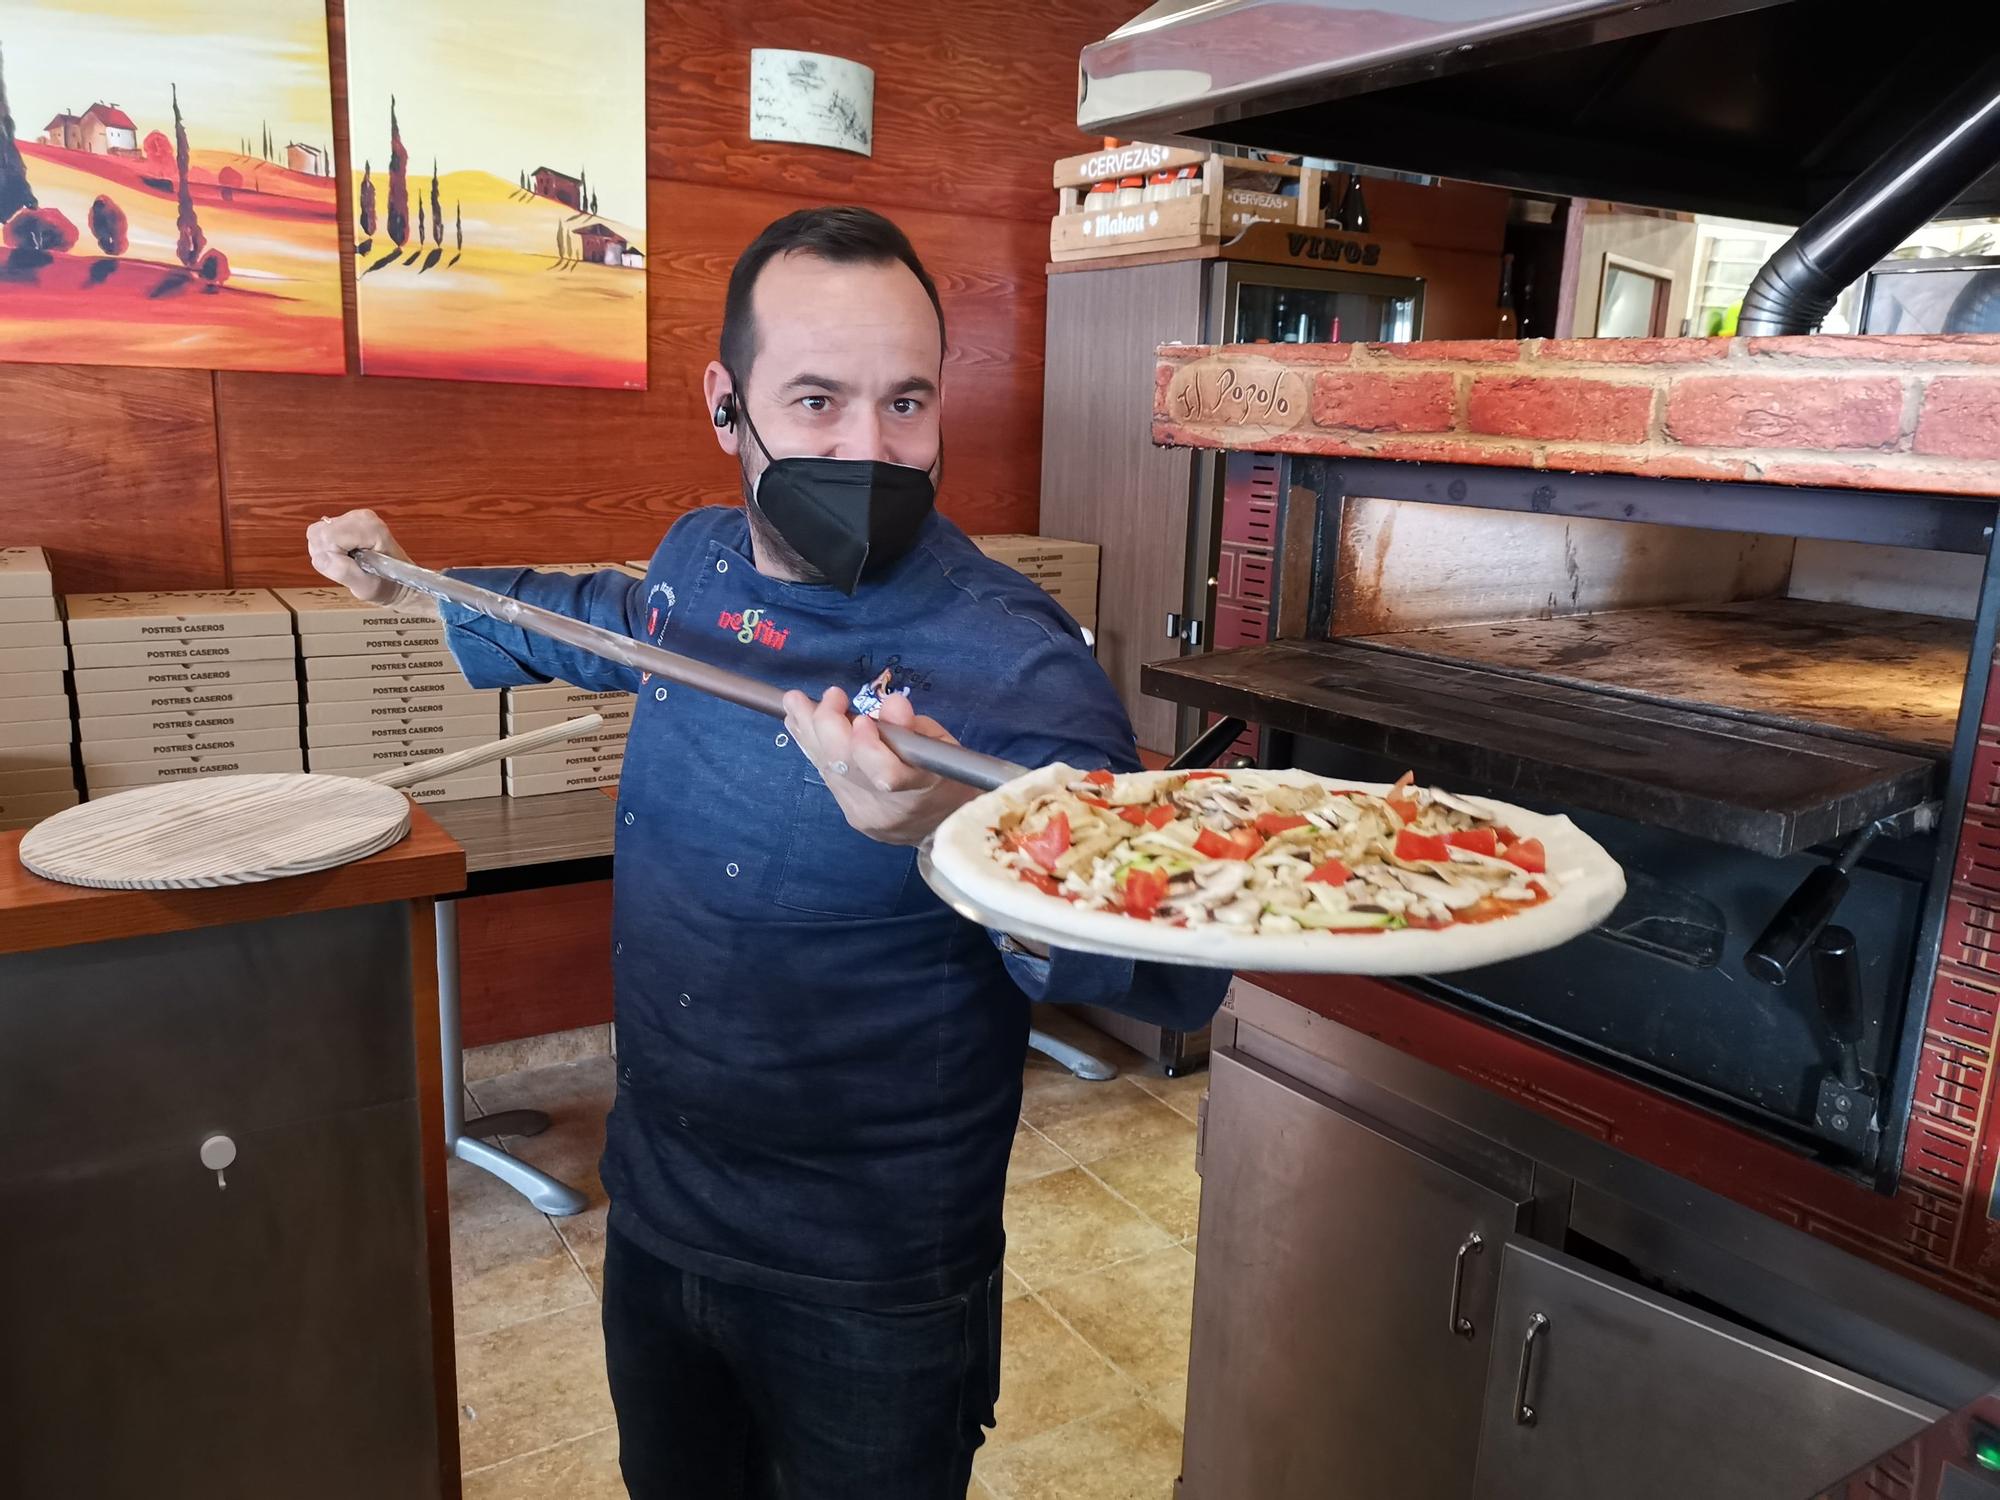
<point>769,544</point>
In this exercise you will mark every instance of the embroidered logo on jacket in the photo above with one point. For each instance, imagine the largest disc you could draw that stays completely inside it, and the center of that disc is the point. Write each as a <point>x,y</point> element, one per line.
<point>751,625</point>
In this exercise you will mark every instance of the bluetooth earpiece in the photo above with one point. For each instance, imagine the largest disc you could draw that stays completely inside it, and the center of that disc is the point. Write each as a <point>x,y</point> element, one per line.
<point>725,410</point>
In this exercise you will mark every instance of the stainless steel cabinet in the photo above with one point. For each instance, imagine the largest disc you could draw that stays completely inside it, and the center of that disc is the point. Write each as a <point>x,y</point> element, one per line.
<point>1599,1388</point>
<point>1343,1303</point>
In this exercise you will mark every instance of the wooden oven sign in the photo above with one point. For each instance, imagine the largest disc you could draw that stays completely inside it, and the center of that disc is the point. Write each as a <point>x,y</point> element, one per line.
<point>1255,396</point>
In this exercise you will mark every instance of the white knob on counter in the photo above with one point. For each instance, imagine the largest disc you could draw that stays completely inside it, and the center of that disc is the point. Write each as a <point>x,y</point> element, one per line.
<point>217,1152</point>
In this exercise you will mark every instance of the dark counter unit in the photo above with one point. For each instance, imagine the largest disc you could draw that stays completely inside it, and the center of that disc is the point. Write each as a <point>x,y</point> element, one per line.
<point>230,1272</point>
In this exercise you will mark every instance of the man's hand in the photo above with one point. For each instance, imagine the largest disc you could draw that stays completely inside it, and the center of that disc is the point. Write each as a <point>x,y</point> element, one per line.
<point>883,796</point>
<point>329,540</point>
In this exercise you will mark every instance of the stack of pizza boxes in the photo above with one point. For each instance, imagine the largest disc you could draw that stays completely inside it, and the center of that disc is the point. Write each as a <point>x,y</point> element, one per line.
<point>37,776</point>
<point>1066,571</point>
<point>382,689</point>
<point>584,760</point>
<point>173,686</point>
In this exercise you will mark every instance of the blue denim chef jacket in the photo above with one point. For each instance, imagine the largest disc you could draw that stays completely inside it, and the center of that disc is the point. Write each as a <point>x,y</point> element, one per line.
<point>819,1064</point>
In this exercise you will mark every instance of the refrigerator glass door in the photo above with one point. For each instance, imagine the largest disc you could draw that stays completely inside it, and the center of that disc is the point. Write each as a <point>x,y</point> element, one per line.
<point>1282,314</point>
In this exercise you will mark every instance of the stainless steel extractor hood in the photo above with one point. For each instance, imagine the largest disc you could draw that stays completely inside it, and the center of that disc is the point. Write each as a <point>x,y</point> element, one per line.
<point>1762,109</point>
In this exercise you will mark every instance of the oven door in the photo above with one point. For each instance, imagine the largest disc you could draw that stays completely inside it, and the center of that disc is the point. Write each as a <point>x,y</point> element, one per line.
<point>1660,991</point>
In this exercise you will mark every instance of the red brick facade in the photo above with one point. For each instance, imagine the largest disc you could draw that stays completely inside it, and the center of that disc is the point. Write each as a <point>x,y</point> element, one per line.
<point>1893,414</point>
<point>1917,413</point>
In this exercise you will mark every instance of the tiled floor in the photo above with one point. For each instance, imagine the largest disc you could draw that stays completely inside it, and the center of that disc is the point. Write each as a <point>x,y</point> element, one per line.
<point>1101,1202</point>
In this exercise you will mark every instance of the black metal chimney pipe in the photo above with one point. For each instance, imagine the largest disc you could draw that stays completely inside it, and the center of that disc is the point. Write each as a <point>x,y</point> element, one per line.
<point>1925,170</point>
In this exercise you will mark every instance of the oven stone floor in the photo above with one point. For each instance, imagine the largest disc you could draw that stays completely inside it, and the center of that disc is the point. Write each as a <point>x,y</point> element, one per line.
<point>1101,1202</point>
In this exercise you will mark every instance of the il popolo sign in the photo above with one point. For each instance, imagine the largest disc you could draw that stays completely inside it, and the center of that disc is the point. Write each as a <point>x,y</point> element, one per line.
<point>1247,393</point>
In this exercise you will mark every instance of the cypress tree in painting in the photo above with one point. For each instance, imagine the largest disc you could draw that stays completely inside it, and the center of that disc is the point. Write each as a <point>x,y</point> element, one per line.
<point>458,223</point>
<point>437,206</point>
<point>15,194</point>
<point>192,240</point>
<point>421,236</point>
<point>367,201</point>
<point>399,187</point>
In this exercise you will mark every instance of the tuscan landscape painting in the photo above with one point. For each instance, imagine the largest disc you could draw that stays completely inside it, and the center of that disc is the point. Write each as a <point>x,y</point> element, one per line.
<point>167,189</point>
<point>499,189</point>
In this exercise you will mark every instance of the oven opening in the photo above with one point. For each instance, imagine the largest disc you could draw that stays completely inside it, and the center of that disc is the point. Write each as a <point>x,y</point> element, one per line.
<point>1866,644</point>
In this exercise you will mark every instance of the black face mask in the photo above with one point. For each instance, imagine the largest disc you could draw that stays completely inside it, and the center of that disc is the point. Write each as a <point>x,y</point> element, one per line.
<point>845,517</point>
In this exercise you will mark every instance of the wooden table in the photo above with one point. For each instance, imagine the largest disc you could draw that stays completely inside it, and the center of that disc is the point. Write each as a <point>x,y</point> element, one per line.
<point>563,836</point>
<point>282,1327</point>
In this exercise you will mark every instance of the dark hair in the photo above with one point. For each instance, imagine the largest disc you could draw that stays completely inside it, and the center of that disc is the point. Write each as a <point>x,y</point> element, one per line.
<point>845,236</point>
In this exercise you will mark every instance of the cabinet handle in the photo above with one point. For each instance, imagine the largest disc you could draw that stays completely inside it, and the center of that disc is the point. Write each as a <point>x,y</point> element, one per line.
<point>1524,1414</point>
<point>1460,1324</point>
<point>1193,634</point>
<point>1173,627</point>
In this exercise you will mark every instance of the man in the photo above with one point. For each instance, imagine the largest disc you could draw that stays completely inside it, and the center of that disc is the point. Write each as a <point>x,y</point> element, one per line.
<point>819,1064</point>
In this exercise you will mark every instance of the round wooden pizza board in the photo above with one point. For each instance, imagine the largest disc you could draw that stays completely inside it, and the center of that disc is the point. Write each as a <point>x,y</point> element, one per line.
<point>236,830</point>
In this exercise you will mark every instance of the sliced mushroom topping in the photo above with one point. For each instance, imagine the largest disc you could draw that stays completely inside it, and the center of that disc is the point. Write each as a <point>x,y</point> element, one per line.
<point>1464,805</point>
<point>1451,894</point>
<point>1127,792</point>
<point>1332,897</point>
<point>1080,854</point>
<point>1244,911</point>
<point>1294,799</point>
<point>1222,877</point>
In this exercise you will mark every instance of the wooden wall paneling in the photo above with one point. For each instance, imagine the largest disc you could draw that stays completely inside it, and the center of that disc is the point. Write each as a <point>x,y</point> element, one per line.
<point>1459,230</point>
<point>113,470</point>
<point>532,962</point>
<point>974,101</point>
<point>469,473</point>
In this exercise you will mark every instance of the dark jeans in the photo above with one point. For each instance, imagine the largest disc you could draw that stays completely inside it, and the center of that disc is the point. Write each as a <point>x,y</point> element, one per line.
<point>725,1393</point>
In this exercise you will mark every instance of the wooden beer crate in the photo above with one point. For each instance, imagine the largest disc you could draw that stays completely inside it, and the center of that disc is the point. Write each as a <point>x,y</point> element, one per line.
<point>1232,193</point>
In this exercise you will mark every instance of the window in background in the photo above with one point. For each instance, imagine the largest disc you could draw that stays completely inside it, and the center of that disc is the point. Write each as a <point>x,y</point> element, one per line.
<point>1633,304</point>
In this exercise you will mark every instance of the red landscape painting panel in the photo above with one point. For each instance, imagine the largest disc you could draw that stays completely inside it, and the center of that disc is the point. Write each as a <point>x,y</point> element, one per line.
<point>167,194</point>
<point>499,189</point>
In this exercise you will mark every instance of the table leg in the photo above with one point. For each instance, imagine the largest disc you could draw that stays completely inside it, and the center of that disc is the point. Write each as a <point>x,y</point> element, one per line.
<point>1078,1061</point>
<point>460,1134</point>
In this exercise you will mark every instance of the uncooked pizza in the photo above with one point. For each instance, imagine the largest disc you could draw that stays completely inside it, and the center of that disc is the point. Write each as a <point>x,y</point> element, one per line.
<point>1275,869</point>
<point>1261,855</point>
